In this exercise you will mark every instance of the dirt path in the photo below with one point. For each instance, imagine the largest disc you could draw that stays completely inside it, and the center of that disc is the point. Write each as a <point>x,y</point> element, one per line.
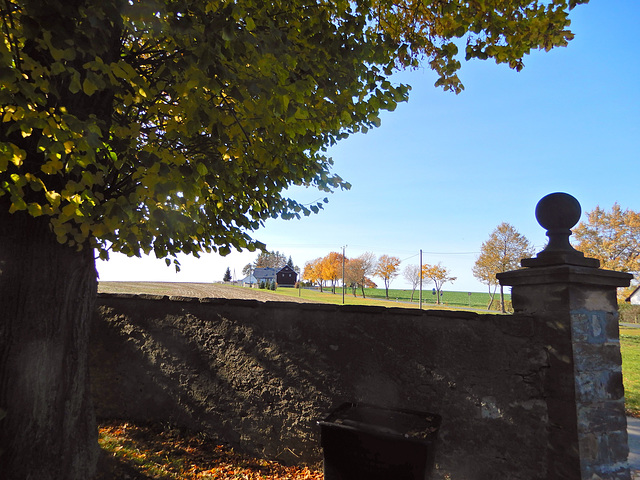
<point>199,290</point>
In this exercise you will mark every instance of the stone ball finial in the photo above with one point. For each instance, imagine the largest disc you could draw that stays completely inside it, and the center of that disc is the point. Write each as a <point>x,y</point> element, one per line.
<point>558,211</point>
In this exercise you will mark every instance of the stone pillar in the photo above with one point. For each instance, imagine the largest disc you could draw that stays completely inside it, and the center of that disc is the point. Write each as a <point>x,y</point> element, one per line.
<point>575,307</point>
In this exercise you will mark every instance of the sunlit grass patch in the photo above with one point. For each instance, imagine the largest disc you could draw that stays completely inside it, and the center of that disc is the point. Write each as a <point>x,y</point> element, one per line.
<point>630,347</point>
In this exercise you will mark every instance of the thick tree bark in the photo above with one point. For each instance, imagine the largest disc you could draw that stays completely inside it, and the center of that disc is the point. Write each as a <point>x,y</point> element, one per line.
<point>46,300</point>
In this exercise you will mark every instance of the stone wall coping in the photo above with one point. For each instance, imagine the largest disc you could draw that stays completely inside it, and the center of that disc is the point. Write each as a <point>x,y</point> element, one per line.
<point>565,274</point>
<point>299,305</point>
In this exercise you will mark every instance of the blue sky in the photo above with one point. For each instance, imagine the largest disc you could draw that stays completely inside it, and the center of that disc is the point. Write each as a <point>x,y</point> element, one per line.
<point>444,170</point>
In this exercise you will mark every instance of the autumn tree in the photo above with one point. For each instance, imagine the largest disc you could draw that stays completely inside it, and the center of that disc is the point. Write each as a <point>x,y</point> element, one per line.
<point>313,273</point>
<point>368,264</point>
<point>359,270</point>
<point>331,268</point>
<point>412,275</point>
<point>613,237</point>
<point>352,269</point>
<point>502,252</point>
<point>438,275</point>
<point>387,270</point>
<point>171,127</point>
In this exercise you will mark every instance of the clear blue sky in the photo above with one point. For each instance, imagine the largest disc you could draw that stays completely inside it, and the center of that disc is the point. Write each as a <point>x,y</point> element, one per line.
<point>444,170</point>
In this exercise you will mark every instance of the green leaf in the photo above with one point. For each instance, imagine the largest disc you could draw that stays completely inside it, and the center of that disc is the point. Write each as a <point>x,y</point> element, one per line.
<point>75,86</point>
<point>88,87</point>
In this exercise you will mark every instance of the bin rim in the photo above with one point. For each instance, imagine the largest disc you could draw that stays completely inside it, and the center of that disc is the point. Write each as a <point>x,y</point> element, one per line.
<point>380,430</point>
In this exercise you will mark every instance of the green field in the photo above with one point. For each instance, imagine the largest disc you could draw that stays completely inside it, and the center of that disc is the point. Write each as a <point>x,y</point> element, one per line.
<point>463,299</point>
<point>630,347</point>
<point>473,300</point>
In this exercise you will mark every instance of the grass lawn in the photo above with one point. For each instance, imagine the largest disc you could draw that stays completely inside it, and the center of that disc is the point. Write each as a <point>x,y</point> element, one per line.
<point>630,347</point>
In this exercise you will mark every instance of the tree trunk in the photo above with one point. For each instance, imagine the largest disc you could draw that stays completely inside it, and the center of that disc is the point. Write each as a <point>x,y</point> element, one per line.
<point>46,292</point>
<point>491,296</point>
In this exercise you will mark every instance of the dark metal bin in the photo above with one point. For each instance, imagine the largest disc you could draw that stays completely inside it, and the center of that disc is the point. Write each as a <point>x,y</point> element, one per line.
<point>365,442</point>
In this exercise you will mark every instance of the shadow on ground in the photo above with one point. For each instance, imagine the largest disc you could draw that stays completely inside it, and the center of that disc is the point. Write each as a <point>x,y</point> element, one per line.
<point>112,468</point>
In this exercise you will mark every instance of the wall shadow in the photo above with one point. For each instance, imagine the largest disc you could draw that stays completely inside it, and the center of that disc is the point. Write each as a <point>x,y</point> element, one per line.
<point>260,375</point>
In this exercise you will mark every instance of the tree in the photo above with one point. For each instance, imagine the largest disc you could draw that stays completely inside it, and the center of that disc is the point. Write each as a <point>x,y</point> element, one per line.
<point>502,30</point>
<point>352,269</point>
<point>267,259</point>
<point>412,275</point>
<point>437,274</point>
<point>331,268</point>
<point>613,237</point>
<point>227,276</point>
<point>387,270</point>
<point>502,252</point>
<point>312,272</point>
<point>247,269</point>
<point>176,127</point>
<point>358,270</point>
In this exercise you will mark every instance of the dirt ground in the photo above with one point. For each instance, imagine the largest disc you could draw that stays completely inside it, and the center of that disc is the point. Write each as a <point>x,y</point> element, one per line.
<point>199,290</point>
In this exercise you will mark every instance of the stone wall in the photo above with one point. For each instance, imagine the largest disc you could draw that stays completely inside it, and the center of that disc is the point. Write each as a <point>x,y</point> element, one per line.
<point>576,314</point>
<point>259,375</point>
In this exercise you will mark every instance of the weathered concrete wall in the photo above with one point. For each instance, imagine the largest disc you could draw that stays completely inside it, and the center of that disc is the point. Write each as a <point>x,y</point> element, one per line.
<point>259,375</point>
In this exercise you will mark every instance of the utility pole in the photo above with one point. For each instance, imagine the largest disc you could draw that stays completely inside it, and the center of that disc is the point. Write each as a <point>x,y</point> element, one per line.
<point>420,279</point>
<point>343,273</point>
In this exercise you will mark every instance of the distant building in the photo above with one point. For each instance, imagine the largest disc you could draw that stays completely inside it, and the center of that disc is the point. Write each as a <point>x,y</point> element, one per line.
<point>286,277</point>
<point>249,281</point>
<point>634,298</point>
<point>267,274</point>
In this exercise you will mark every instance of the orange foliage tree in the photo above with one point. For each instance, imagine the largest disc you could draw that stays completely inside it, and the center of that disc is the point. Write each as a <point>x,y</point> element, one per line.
<point>387,269</point>
<point>312,272</point>
<point>358,270</point>
<point>502,252</point>
<point>613,237</point>
<point>331,268</point>
<point>437,274</point>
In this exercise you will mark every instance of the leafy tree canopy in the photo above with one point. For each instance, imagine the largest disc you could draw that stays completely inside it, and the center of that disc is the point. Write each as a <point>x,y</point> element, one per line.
<point>437,274</point>
<point>173,126</point>
<point>613,237</point>
<point>502,252</point>
<point>267,259</point>
<point>387,270</point>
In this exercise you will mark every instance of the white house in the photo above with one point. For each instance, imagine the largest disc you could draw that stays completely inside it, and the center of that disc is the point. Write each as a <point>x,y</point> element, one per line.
<point>634,298</point>
<point>249,281</point>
